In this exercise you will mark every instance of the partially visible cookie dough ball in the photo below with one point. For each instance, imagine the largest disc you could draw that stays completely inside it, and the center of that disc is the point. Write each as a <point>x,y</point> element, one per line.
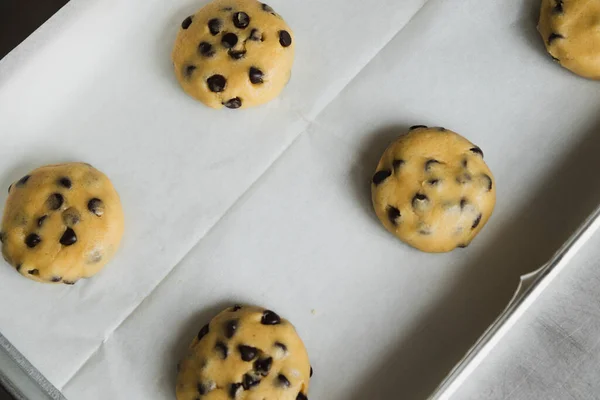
<point>571,32</point>
<point>433,190</point>
<point>234,53</point>
<point>61,223</point>
<point>245,353</point>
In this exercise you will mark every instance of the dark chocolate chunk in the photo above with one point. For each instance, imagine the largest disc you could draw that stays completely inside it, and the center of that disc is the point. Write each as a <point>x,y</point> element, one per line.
<point>216,83</point>
<point>301,396</point>
<point>256,75</point>
<point>189,70</point>
<point>285,39</point>
<point>35,272</point>
<point>441,129</point>
<point>397,164</point>
<point>267,8</point>
<point>241,20</point>
<point>96,207</point>
<point>463,203</point>
<point>68,238</point>
<point>419,199</point>
<point>282,380</point>
<point>32,240</point>
<point>71,216</point>
<point>476,222</point>
<point>430,163</point>
<point>203,388</point>
<point>270,318</point>
<point>236,307</point>
<point>65,182</point>
<point>393,214</point>
<point>263,366</point>
<point>214,26</point>
<point>56,279</point>
<point>417,127</point>
<point>248,353</point>
<point>234,103</point>
<point>41,220</point>
<point>255,35</point>
<point>381,176</point>
<point>222,349</point>
<point>477,150</point>
<point>23,180</point>
<point>69,282</point>
<point>558,8</point>
<point>203,332</point>
<point>553,37</point>
<point>281,346</point>
<point>311,372</point>
<point>433,182</point>
<point>488,181</point>
<point>55,201</point>
<point>18,267</point>
<point>229,40</point>
<point>2,237</point>
<point>231,328</point>
<point>186,22</point>
<point>249,381</point>
<point>206,49</point>
<point>237,54</point>
<point>234,388</point>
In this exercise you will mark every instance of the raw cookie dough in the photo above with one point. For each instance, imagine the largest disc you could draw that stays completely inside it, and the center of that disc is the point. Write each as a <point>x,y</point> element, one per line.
<point>571,32</point>
<point>234,53</point>
<point>61,223</point>
<point>433,190</point>
<point>245,353</point>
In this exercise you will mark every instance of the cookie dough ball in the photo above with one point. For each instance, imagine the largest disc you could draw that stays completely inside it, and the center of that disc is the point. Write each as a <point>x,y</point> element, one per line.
<point>245,353</point>
<point>433,190</point>
<point>234,53</point>
<point>61,223</point>
<point>571,31</point>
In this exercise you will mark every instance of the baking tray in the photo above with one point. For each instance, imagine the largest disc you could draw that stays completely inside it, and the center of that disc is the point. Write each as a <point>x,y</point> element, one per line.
<point>271,205</point>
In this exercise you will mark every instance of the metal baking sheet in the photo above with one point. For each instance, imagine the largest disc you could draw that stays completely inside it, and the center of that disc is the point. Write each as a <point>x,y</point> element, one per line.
<point>272,206</point>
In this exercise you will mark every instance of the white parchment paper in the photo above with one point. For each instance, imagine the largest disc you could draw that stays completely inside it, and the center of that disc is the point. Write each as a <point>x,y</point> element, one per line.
<point>272,206</point>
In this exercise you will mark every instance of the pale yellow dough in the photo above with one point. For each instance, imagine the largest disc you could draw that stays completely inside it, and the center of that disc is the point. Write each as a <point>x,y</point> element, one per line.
<point>265,47</point>
<point>571,32</point>
<point>433,190</point>
<point>273,365</point>
<point>61,223</point>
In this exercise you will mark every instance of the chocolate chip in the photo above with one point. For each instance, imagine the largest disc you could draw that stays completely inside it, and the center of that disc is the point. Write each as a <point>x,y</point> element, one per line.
<point>68,238</point>
<point>270,318</point>
<point>263,366</point>
<point>234,103</point>
<point>32,240</point>
<point>249,381</point>
<point>241,20</point>
<point>226,8</point>
<point>206,49</point>
<point>477,150</point>
<point>2,237</point>
<point>41,220</point>
<point>55,201</point>
<point>69,282</point>
<point>397,164</point>
<point>66,182</point>
<point>488,181</point>
<point>267,8</point>
<point>301,396</point>
<point>35,272</point>
<point>285,39</point>
<point>229,40</point>
<point>282,380</point>
<point>255,35</point>
<point>248,353</point>
<point>281,346</point>
<point>419,199</point>
<point>430,163</point>
<point>393,214</point>
<point>236,54</point>
<point>236,307</point>
<point>202,387</point>
<point>463,178</point>
<point>234,388</point>
<point>462,245</point>
<point>311,372</point>
<point>216,83</point>
<point>381,176</point>
<point>18,267</point>
<point>71,216</point>
<point>256,75</point>
<point>189,70</point>
<point>433,182</point>
<point>96,207</point>
<point>555,59</point>
<point>9,187</point>
<point>476,222</point>
<point>441,129</point>
<point>553,37</point>
<point>214,26</point>
<point>222,349</point>
<point>464,163</point>
<point>56,279</point>
<point>23,180</point>
<point>463,203</point>
<point>417,127</point>
<point>203,332</point>
<point>558,9</point>
<point>231,328</point>
<point>186,22</point>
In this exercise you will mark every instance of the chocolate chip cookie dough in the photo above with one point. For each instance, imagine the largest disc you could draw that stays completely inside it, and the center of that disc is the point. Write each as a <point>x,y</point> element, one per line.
<point>433,190</point>
<point>234,53</point>
<point>571,32</point>
<point>61,223</point>
<point>245,353</point>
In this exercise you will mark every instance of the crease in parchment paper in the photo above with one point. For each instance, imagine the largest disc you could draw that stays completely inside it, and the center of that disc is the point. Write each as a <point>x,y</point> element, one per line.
<point>311,122</point>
